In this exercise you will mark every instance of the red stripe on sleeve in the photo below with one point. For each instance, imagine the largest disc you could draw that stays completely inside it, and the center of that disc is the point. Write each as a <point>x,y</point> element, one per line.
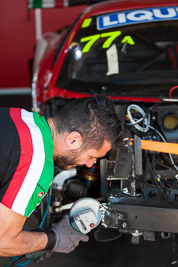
<point>25,158</point>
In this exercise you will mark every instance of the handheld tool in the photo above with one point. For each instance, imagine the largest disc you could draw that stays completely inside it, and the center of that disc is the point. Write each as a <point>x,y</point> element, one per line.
<point>85,215</point>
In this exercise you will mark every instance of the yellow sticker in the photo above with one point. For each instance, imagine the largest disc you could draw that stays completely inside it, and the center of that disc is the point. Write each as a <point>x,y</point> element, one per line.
<point>128,39</point>
<point>86,23</point>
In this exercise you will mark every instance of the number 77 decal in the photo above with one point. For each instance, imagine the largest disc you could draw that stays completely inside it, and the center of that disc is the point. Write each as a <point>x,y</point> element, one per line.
<point>111,37</point>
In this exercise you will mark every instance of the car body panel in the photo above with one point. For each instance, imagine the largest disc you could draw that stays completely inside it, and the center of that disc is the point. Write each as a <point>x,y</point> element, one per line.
<point>45,85</point>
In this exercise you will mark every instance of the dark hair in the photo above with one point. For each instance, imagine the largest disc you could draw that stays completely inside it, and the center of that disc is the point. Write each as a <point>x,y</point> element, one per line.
<point>94,118</point>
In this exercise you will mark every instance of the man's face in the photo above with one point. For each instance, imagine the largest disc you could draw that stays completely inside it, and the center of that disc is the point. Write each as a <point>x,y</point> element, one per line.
<point>78,157</point>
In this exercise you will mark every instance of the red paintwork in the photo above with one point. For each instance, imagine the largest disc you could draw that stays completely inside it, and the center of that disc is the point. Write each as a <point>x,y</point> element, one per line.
<point>47,67</point>
<point>127,4</point>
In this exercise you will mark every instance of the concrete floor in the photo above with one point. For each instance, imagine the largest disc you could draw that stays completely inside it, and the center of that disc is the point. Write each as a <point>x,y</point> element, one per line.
<point>118,253</point>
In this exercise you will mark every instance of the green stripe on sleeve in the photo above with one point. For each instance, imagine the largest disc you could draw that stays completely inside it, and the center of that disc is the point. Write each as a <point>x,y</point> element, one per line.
<point>48,169</point>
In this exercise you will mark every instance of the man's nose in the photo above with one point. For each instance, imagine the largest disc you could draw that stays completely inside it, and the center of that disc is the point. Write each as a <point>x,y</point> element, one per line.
<point>90,163</point>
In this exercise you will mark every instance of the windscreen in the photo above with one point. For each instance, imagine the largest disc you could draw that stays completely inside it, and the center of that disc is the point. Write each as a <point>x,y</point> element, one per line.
<point>136,59</point>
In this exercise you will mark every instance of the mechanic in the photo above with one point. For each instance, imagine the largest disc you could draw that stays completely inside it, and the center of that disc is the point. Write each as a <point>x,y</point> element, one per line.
<point>30,145</point>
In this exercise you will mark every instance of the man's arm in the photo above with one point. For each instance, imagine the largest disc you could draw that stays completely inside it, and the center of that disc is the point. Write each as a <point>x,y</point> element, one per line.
<point>15,241</point>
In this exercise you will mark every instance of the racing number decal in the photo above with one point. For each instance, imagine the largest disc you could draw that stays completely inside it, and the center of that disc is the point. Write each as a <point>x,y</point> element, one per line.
<point>90,41</point>
<point>111,36</point>
<point>128,39</point>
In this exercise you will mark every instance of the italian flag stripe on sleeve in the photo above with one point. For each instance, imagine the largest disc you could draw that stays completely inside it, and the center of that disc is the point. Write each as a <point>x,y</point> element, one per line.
<point>36,165</point>
<point>48,168</point>
<point>31,163</point>
<point>22,169</point>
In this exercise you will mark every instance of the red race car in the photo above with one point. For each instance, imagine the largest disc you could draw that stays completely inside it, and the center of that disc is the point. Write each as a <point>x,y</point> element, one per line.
<point>128,51</point>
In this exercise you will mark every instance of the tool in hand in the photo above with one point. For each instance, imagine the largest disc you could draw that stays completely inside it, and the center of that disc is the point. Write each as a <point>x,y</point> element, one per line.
<point>85,215</point>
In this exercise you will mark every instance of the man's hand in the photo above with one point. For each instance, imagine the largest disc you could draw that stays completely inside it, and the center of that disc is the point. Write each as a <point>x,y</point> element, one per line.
<point>16,241</point>
<point>67,239</point>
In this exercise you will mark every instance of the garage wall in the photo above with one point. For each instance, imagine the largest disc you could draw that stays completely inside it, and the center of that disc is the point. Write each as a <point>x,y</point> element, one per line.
<point>18,37</point>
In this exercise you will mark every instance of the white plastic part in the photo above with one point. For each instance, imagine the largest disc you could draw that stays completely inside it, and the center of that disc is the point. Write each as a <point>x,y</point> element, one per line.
<point>60,178</point>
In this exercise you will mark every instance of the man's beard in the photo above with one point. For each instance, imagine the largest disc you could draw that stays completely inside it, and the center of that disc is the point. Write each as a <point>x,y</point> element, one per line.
<point>67,159</point>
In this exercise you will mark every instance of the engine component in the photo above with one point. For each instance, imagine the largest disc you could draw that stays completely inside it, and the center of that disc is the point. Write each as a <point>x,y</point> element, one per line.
<point>62,176</point>
<point>170,122</point>
<point>138,119</point>
<point>90,177</point>
<point>74,188</point>
<point>167,119</point>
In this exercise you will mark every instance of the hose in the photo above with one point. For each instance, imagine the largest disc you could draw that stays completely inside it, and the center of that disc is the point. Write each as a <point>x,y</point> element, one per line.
<point>135,122</point>
<point>146,125</point>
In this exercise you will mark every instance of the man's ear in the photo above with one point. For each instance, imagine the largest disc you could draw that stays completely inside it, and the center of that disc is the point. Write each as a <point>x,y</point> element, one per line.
<point>74,140</point>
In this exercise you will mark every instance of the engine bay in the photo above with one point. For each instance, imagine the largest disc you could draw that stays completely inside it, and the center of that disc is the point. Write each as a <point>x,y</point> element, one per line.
<point>137,187</point>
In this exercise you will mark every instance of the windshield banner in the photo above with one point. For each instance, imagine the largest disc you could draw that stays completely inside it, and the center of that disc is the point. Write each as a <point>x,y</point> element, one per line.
<point>136,16</point>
